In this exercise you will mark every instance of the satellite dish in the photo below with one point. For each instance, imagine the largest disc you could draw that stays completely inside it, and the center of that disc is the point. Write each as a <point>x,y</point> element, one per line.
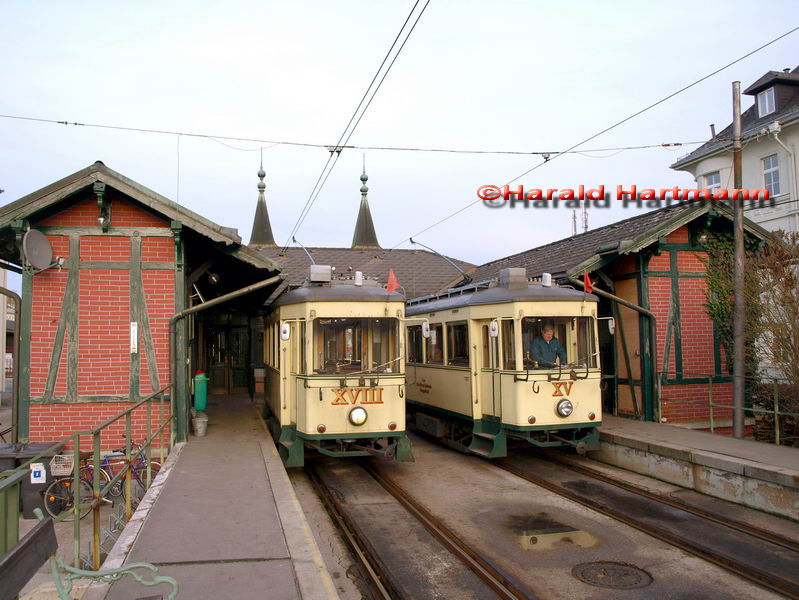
<point>37,249</point>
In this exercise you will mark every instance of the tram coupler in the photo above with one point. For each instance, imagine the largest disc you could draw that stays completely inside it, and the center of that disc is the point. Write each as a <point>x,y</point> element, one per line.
<point>580,447</point>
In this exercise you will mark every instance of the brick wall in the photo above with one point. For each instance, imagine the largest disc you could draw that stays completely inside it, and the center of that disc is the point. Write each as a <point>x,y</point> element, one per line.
<point>686,402</point>
<point>676,408</point>
<point>48,293</point>
<point>160,298</point>
<point>103,324</point>
<point>56,421</point>
<point>104,332</point>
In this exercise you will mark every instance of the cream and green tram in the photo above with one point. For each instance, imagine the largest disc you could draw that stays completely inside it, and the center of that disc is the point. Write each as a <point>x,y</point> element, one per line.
<point>335,379</point>
<point>505,359</point>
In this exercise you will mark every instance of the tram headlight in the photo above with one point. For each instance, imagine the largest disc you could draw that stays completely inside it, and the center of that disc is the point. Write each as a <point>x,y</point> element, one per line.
<point>392,426</point>
<point>564,408</point>
<point>357,416</point>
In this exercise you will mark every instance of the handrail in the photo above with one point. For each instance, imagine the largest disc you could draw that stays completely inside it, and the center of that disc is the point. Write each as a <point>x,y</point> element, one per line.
<point>126,411</point>
<point>765,381</point>
<point>10,480</point>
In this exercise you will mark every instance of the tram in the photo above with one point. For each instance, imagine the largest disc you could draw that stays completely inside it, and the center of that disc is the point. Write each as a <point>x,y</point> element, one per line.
<point>483,366</point>
<point>335,379</point>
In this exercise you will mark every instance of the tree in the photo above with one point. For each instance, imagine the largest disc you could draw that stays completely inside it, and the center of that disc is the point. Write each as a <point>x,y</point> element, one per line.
<point>772,323</point>
<point>720,294</point>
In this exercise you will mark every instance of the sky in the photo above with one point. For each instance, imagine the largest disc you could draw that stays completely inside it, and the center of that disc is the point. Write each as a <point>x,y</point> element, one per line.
<point>522,76</point>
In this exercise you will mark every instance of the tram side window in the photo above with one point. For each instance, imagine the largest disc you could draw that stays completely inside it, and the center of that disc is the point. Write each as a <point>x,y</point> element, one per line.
<point>435,344</point>
<point>276,336</point>
<point>268,345</point>
<point>552,341</point>
<point>415,344</point>
<point>486,355</point>
<point>458,344</point>
<point>508,345</point>
<point>301,341</point>
<point>586,346</point>
<point>385,346</point>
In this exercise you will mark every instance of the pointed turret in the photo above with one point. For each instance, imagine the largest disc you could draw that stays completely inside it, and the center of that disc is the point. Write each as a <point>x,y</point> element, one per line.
<point>364,236</point>
<point>261,229</point>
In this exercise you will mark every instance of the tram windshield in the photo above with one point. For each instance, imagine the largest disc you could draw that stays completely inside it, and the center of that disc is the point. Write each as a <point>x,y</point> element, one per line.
<point>356,346</point>
<point>548,342</point>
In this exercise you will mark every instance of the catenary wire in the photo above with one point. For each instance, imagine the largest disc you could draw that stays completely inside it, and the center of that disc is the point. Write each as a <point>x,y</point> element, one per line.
<point>220,139</point>
<point>322,176</point>
<point>605,130</point>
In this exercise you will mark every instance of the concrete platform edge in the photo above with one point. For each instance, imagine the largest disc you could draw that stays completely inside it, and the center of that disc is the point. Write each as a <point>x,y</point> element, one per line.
<point>123,546</point>
<point>760,486</point>
<point>313,578</point>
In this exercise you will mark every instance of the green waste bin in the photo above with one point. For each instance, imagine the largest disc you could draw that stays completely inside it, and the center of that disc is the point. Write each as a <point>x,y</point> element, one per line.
<point>200,391</point>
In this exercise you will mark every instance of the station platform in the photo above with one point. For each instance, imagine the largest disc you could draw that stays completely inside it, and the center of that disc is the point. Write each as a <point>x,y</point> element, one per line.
<point>223,520</point>
<point>755,474</point>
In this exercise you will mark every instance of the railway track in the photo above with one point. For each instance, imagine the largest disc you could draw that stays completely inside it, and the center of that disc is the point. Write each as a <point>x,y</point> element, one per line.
<point>400,566</point>
<point>761,556</point>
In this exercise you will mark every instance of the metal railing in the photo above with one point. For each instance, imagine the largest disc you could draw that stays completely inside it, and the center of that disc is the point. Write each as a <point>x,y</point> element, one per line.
<point>10,482</point>
<point>774,383</point>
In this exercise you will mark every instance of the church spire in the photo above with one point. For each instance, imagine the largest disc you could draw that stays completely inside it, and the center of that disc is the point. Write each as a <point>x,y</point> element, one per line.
<point>261,229</point>
<point>364,236</point>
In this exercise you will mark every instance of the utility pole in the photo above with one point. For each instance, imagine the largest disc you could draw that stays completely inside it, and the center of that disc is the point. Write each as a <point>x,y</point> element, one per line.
<point>739,308</point>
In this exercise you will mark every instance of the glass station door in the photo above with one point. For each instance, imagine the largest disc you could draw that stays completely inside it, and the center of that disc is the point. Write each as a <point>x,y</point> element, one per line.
<point>227,359</point>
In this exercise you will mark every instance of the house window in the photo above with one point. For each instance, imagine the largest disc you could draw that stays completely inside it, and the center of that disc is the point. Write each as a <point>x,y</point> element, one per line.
<point>765,102</point>
<point>771,175</point>
<point>713,181</point>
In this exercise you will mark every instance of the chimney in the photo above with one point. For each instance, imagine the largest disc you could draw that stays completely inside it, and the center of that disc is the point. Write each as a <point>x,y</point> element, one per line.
<point>513,278</point>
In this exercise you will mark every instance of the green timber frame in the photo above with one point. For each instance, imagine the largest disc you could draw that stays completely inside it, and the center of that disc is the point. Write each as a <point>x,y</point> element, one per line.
<point>68,323</point>
<point>196,246</point>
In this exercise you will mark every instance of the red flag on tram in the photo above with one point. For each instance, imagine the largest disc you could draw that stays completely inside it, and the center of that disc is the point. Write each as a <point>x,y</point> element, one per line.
<point>587,282</point>
<point>393,284</point>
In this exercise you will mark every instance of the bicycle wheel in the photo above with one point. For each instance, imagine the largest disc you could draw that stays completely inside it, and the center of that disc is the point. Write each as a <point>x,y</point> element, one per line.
<point>140,474</point>
<point>87,475</point>
<point>59,498</point>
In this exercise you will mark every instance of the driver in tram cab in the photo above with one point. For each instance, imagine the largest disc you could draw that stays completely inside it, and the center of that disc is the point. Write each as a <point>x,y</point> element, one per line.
<point>546,349</point>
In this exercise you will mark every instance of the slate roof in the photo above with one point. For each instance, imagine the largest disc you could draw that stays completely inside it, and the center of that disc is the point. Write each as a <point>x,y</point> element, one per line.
<point>751,124</point>
<point>419,272</point>
<point>569,256</point>
<point>771,78</point>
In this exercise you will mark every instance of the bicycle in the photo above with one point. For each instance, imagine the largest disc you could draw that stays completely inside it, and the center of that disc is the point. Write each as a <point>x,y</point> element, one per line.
<point>59,496</point>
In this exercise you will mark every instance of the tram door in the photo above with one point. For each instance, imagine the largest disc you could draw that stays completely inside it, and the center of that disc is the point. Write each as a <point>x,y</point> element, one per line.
<point>489,365</point>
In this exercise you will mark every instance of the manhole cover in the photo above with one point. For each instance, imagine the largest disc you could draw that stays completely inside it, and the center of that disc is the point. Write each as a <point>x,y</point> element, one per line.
<point>612,575</point>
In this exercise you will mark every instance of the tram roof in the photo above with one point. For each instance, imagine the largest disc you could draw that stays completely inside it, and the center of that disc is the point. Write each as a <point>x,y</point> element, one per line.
<point>483,294</point>
<point>338,291</point>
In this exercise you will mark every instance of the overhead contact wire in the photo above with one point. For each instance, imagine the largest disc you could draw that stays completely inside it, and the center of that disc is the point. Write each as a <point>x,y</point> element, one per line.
<point>311,198</point>
<point>603,131</point>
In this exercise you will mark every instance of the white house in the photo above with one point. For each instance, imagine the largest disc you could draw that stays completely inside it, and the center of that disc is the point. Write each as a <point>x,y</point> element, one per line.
<point>770,136</point>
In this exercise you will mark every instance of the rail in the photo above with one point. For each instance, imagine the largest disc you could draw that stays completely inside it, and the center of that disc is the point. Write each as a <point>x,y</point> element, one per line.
<point>10,480</point>
<point>773,383</point>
